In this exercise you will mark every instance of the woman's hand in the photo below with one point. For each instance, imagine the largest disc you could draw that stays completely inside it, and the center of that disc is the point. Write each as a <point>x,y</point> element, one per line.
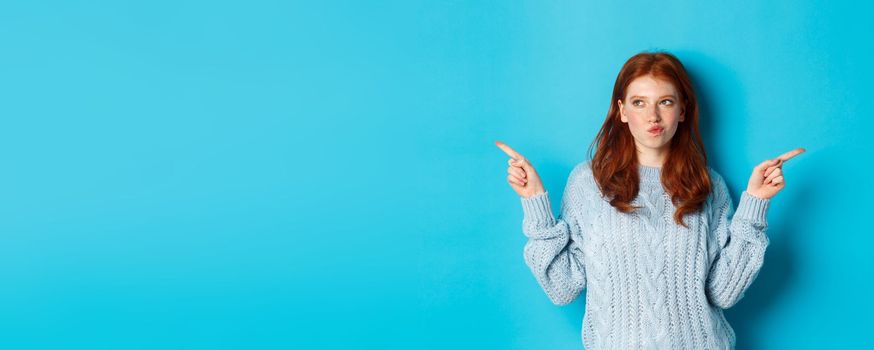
<point>767,178</point>
<point>522,176</point>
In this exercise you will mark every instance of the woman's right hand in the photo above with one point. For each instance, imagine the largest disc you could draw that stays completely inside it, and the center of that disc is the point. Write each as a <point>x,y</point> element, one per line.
<point>522,176</point>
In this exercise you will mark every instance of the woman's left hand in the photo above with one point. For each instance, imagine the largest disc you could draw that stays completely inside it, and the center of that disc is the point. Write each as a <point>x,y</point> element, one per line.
<point>767,178</point>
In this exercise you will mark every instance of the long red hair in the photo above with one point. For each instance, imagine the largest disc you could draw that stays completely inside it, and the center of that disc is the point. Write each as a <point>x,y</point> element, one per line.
<point>615,166</point>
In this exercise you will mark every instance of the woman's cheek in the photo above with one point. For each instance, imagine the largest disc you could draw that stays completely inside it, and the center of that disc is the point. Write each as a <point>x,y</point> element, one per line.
<point>635,121</point>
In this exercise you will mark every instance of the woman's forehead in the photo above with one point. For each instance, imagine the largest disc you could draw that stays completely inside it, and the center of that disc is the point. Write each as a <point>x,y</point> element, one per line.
<point>650,86</point>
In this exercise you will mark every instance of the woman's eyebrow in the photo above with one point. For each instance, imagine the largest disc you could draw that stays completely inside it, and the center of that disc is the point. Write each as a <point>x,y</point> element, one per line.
<point>644,97</point>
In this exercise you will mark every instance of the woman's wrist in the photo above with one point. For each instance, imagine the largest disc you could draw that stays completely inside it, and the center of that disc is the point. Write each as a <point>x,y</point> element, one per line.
<point>757,195</point>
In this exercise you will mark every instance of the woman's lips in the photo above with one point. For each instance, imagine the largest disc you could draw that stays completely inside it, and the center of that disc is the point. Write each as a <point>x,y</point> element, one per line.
<point>656,131</point>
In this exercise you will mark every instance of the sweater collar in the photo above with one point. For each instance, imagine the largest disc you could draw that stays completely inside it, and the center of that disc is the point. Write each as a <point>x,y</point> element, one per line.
<point>649,173</point>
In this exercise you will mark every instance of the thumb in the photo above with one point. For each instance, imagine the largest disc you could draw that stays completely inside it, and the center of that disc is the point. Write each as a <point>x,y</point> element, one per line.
<point>523,163</point>
<point>764,165</point>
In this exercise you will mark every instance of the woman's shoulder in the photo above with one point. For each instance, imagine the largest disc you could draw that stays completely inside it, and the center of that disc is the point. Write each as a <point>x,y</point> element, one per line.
<point>581,185</point>
<point>714,175</point>
<point>718,187</point>
<point>581,176</point>
<point>582,171</point>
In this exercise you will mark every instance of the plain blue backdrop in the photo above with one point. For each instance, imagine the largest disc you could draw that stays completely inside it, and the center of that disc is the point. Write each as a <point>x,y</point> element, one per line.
<point>322,175</point>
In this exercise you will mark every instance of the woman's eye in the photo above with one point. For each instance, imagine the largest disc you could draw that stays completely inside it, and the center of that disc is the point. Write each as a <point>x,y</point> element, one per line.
<point>637,102</point>
<point>667,102</point>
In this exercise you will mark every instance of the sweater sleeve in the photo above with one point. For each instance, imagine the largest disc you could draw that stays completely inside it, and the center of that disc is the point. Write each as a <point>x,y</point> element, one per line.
<point>741,244</point>
<point>553,251</point>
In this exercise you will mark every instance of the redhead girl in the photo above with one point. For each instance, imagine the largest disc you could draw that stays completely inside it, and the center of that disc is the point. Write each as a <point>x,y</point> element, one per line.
<point>646,227</point>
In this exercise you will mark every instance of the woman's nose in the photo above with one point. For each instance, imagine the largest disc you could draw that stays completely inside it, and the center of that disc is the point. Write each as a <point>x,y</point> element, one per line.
<point>654,115</point>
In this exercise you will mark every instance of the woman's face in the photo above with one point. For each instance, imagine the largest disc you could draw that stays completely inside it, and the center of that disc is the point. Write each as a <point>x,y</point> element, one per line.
<point>651,103</point>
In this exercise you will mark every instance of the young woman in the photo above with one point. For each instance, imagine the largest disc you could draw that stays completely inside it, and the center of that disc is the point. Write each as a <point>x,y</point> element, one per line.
<point>646,226</point>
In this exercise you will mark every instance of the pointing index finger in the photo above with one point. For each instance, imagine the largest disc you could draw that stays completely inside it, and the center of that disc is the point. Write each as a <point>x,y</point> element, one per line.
<point>509,151</point>
<point>789,155</point>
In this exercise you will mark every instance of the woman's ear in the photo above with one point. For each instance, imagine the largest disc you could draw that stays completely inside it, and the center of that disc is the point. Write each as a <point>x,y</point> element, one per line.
<point>621,111</point>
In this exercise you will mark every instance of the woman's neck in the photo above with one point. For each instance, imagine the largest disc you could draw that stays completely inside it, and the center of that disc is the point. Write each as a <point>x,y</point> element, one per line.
<point>652,158</point>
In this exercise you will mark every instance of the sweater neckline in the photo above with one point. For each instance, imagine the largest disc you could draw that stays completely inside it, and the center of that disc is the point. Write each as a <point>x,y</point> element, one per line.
<point>650,173</point>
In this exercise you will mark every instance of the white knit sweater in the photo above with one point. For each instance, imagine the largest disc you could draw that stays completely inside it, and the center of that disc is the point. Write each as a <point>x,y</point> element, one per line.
<point>650,283</point>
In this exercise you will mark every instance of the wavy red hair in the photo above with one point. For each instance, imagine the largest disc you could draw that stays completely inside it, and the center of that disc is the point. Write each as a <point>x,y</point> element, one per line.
<point>614,165</point>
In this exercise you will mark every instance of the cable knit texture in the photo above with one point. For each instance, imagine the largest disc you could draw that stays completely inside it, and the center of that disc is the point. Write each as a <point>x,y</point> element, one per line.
<point>650,283</point>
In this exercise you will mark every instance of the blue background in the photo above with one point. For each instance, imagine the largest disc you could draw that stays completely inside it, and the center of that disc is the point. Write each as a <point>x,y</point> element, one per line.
<point>264,174</point>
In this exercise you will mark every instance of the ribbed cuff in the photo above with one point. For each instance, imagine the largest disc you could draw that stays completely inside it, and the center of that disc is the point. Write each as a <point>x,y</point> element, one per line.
<point>537,210</point>
<point>752,208</point>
